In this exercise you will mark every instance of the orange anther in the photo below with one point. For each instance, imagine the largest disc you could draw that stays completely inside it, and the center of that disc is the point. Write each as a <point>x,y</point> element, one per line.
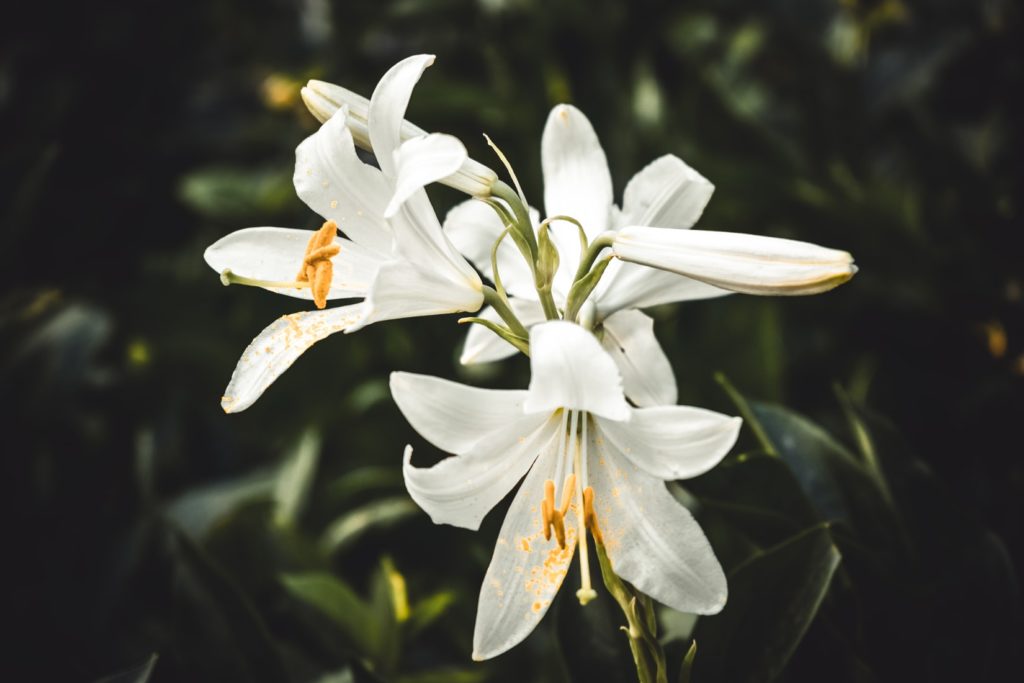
<point>590,517</point>
<point>317,268</point>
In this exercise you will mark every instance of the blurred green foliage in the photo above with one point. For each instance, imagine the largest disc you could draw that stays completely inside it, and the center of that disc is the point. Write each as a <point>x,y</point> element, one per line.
<point>278,544</point>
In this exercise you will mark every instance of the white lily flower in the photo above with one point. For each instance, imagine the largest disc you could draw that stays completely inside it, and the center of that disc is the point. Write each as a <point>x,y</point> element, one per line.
<point>395,256</point>
<point>324,99</point>
<point>577,183</point>
<point>666,197</point>
<point>573,428</point>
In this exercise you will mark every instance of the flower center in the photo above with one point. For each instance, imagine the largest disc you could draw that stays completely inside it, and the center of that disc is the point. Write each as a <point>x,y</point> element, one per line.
<point>315,273</point>
<point>572,452</point>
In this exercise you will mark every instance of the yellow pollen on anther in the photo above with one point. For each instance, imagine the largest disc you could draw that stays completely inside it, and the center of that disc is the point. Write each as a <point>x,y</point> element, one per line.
<point>317,268</point>
<point>590,516</point>
<point>552,518</point>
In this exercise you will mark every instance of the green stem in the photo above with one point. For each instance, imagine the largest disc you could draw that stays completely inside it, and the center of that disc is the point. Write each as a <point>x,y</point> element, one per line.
<point>601,242</point>
<point>500,305</point>
<point>522,223</point>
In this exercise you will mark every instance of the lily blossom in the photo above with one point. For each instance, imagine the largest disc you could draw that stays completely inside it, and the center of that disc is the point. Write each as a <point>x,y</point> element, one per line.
<point>577,183</point>
<point>394,256</point>
<point>571,433</point>
<point>659,204</point>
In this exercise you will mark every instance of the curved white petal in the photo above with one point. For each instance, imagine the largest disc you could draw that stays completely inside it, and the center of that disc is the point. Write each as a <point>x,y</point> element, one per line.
<point>450,415</point>
<point>473,228</point>
<point>525,571</point>
<point>335,183</point>
<point>652,541</point>
<point>666,193</point>
<point>324,99</point>
<point>387,108</point>
<point>629,285</point>
<point>421,161</point>
<point>483,346</point>
<point>577,182</point>
<point>569,369</point>
<point>647,376</point>
<point>462,489</point>
<point>277,347</point>
<point>405,289</point>
<point>735,261</point>
<point>275,255</point>
<point>673,442</point>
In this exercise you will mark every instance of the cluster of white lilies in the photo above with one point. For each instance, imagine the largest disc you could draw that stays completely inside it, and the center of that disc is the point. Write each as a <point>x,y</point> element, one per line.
<point>597,433</point>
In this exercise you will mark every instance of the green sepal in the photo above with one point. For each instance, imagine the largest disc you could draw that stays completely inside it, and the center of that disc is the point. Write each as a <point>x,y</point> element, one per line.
<point>519,342</point>
<point>581,289</point>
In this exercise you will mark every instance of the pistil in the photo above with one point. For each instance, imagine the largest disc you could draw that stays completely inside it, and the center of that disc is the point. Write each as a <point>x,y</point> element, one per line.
<point>586,593</point>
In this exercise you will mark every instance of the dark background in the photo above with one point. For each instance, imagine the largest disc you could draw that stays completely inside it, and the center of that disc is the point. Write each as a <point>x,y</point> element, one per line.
<point>135,134</point>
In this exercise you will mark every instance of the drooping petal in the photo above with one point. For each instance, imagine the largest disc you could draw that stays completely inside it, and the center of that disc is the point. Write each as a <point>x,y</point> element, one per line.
<point>276,254</point>
<point>628,285</point>
<point>454,416</point>
<point>462,489</point>
<point>652,541</point>
<point>277,347</point>
<point>742,263</point>
<point>673,442</point>
<point>404,289</point>
<point>473,228</point>
<point>667,193</point>
<point>525,571</point>
<point>421,161</point>
<point>387,108</point>
<point>577,182</point>
<point>483,346</point>
<point>647,376</point>
<point>569,369</point>
<point>324,99</point>
<point>332,180</point>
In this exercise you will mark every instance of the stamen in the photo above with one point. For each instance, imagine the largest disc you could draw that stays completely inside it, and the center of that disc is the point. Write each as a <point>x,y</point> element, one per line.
<point>586,593</point>
<point>317,268</point>
<point>547,507</point>
<point>590,517</point>
<point>228,277</point>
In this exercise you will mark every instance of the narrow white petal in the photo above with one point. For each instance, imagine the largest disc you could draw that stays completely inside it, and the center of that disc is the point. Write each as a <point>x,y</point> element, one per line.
<point>324,99</point>
<point>419,239</point>
<point>278,346</point>
<point>674,442</point>
<point>275,255</point>
<point>421,161</point>
<point>647,376</point>
<point>652,541</point>
<point>483,346</point>
<point>735,261</point>
<point>387,108</point>
<point>404,289</point>
<point>667,193</point>
<point>569,369</point>
<point>336,184</point>
<point>525,571</point>
<point>462,489</point>
<point>577,182</point>
<point>473,227</point>
<point>450,415</point>
<point>628,285</point>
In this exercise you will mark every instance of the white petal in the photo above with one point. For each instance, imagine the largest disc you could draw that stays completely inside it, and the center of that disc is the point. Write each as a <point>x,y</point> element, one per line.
<point>473,228</point>
<point>667,193</point>
<point>278,346</point>
<point>462,489</point>
<point>335,183</point>
<point>652,541</point>
<point>735,261</point>
<point>324,99</point>
<point>483,346</point>
<point>450,415</point>
<point>525,571</point>
<point>647,375</point>
<point>674,442</point>
<point>387,108</point>
<point>577,182</point>
<point>569,369</point>
<point>275,254</point>
<point>403,289</point>
<point>628,285</point>
<point>424,160</point>
<point>419,239</point>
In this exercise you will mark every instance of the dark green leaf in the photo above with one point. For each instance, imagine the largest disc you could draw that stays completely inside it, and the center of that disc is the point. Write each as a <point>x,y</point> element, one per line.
<point>772,600</point>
